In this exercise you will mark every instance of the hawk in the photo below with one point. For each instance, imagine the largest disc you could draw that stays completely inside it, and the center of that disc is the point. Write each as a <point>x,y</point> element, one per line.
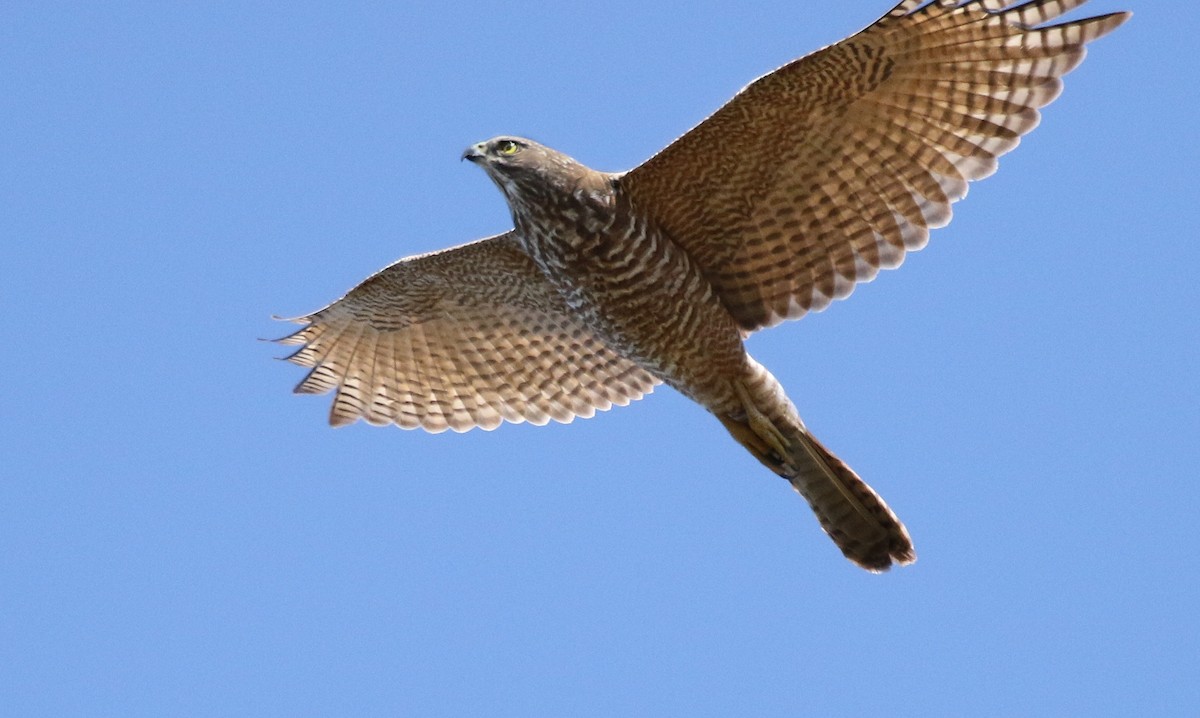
<point>810,180</point>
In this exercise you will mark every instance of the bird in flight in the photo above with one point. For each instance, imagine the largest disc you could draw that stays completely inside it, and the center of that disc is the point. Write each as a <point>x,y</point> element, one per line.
<point>810,180</point>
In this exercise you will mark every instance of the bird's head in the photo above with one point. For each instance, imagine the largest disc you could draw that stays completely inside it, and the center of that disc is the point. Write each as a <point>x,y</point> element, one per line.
<point>523,169</point>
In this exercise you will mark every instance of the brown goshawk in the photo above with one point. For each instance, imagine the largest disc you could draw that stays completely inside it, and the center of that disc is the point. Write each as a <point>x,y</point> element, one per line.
<point>810,180</point>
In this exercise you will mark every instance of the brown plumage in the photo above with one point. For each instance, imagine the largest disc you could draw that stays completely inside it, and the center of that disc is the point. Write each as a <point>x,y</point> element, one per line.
<point>810,180</point>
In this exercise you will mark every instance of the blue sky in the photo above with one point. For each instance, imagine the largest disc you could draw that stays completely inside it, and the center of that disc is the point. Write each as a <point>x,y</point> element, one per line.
<point>180,535</point>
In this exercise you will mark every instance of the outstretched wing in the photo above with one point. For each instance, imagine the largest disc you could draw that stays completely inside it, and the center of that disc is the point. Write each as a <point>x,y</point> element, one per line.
<point>819,174</point>
<point>464,337</point>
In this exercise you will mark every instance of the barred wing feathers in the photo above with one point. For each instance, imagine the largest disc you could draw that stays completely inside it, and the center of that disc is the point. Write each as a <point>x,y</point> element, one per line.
<point>469,336</point>
<point>819,174</point>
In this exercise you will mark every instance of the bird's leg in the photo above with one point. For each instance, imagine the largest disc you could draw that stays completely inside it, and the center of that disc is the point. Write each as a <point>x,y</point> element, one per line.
<point>762,426</point>
<point>740,430</point>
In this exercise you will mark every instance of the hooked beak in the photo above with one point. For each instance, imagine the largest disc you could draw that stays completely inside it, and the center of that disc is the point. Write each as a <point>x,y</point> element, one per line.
<point>473,153</point>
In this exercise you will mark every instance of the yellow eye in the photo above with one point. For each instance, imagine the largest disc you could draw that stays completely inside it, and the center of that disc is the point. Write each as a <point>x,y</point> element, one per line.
<point>507,147</point>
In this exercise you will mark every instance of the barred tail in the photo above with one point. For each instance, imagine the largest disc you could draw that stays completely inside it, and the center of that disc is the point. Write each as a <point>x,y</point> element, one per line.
<point>854,516</point>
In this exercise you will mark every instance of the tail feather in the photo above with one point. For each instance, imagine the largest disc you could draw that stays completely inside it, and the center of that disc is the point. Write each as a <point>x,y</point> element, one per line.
<point>855,517</point>
<point>851,513</point>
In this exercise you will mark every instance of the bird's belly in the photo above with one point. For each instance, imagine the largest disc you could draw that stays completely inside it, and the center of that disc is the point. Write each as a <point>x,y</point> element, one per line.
<point>649,302</point>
